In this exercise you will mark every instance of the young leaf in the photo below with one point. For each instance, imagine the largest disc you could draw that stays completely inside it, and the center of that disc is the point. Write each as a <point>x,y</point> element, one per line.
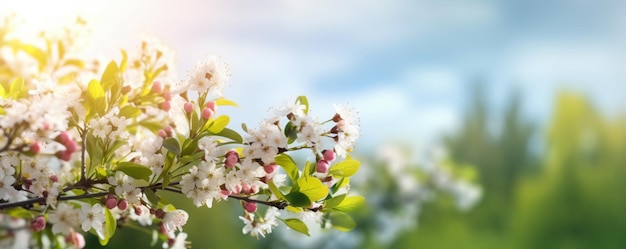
<point>312,188</point>
<point>350,203</point>
<point>231,134</point>
<point>110,224</point>
<point>219,124</point>
<point>275,190</point>
<point>288,165</point>
<point>297,225</point>
<point>134,170</point>
<point>172,145</point>
<point>340,183</point>
<point>335,201</point>
<point>110,77</point>
<point>298,199</point>
<point>341,221</point>
<point>152,197</point>
<point>290,132</point>
<point>225,102</point>
<point>95,94</point>
<point>130,111</point>
<point>17,88</point>
<point>346,168</point>
<point>124,62</point>
<point>305,102</point>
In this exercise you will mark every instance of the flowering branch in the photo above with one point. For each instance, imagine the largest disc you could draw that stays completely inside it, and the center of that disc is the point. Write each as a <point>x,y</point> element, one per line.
<point>142,130</point>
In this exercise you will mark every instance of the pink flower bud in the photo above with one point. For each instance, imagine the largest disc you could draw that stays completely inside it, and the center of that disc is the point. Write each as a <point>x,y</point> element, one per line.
<point>54,178</point>
<point>63,138</point>
<point>159,213</point>
<point>245,188</point>
<point>65,155</point>
<point>126,89</point>
<point>71,146</point>
<point>188,107</point>
<point>39,223</point>
<point>138,210</point>
<point>231,159</point>
<point>75,239</point>
<point>111,203</point>
<point>250,207</point>
<point>162,228</point>
<point>157,87</point>
<point>270,168</point>
<point>212,105</point>
<point>322,166</point>
<point>168,130</point>
<point>167,95</point>
<point>207,113</point>
<point>35,147</point>
<point>162,133</point>
<point>122,204</point>
<point>329,155</point>
<point>224,192</point>
<point>166,106</point>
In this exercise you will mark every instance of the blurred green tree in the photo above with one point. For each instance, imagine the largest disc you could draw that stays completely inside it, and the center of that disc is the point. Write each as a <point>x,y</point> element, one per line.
<point>577,200</point>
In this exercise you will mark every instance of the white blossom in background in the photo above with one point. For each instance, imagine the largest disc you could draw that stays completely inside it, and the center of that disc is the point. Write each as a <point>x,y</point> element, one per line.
<point>210,74</point>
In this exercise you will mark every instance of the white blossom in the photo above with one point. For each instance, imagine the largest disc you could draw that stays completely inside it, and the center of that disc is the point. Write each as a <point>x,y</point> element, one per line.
<point>175,220</point>
<point>92,217</point>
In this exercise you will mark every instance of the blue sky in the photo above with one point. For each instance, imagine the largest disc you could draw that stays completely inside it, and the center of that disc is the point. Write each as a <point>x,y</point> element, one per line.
<point>406,65</point>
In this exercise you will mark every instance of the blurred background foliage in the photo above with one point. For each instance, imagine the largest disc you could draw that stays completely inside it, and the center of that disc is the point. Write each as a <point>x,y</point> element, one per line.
<point>557,184</point>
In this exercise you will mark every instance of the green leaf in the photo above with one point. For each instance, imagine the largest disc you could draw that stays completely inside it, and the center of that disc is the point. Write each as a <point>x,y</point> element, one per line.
<point>340,183</point>
<point>244,127</point>
<point>341,221</point>
<point>298,199</point>
<point>303,101</point>
<point>95,94</point>
<point>153,126</point>
<point>172,145</point>
<point>17,88</point>
<point>346,168</point>
<point>31,50</point>
<point>297,225</point>
<point>20,213</point>
<point>219,124</point>
<point>124,62</point>
<point>231,134</point>
<point>152,197</point>
<point>130,111</point>
<point>110,225</point>
<point>3,93</point>
<point>275,190</point>
<point>110,76</point>
<point>335,201</point>
<point>74,62</point>
<point>288,165</point>
<point>290,132</point>
<point>350,203</point>
<point>312,188</point>
<point>134,170</point>
<point>225,102</point>
<point>308,170</point>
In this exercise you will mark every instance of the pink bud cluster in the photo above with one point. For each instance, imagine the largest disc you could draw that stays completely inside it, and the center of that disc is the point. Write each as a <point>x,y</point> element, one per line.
<point>157,88</point>
<point>323,164</point>
<point>111,202</point>
<point>70,146</point>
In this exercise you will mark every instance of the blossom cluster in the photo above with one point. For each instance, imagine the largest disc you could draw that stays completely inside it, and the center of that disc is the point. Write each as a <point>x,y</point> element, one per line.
<point>87,150</point>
